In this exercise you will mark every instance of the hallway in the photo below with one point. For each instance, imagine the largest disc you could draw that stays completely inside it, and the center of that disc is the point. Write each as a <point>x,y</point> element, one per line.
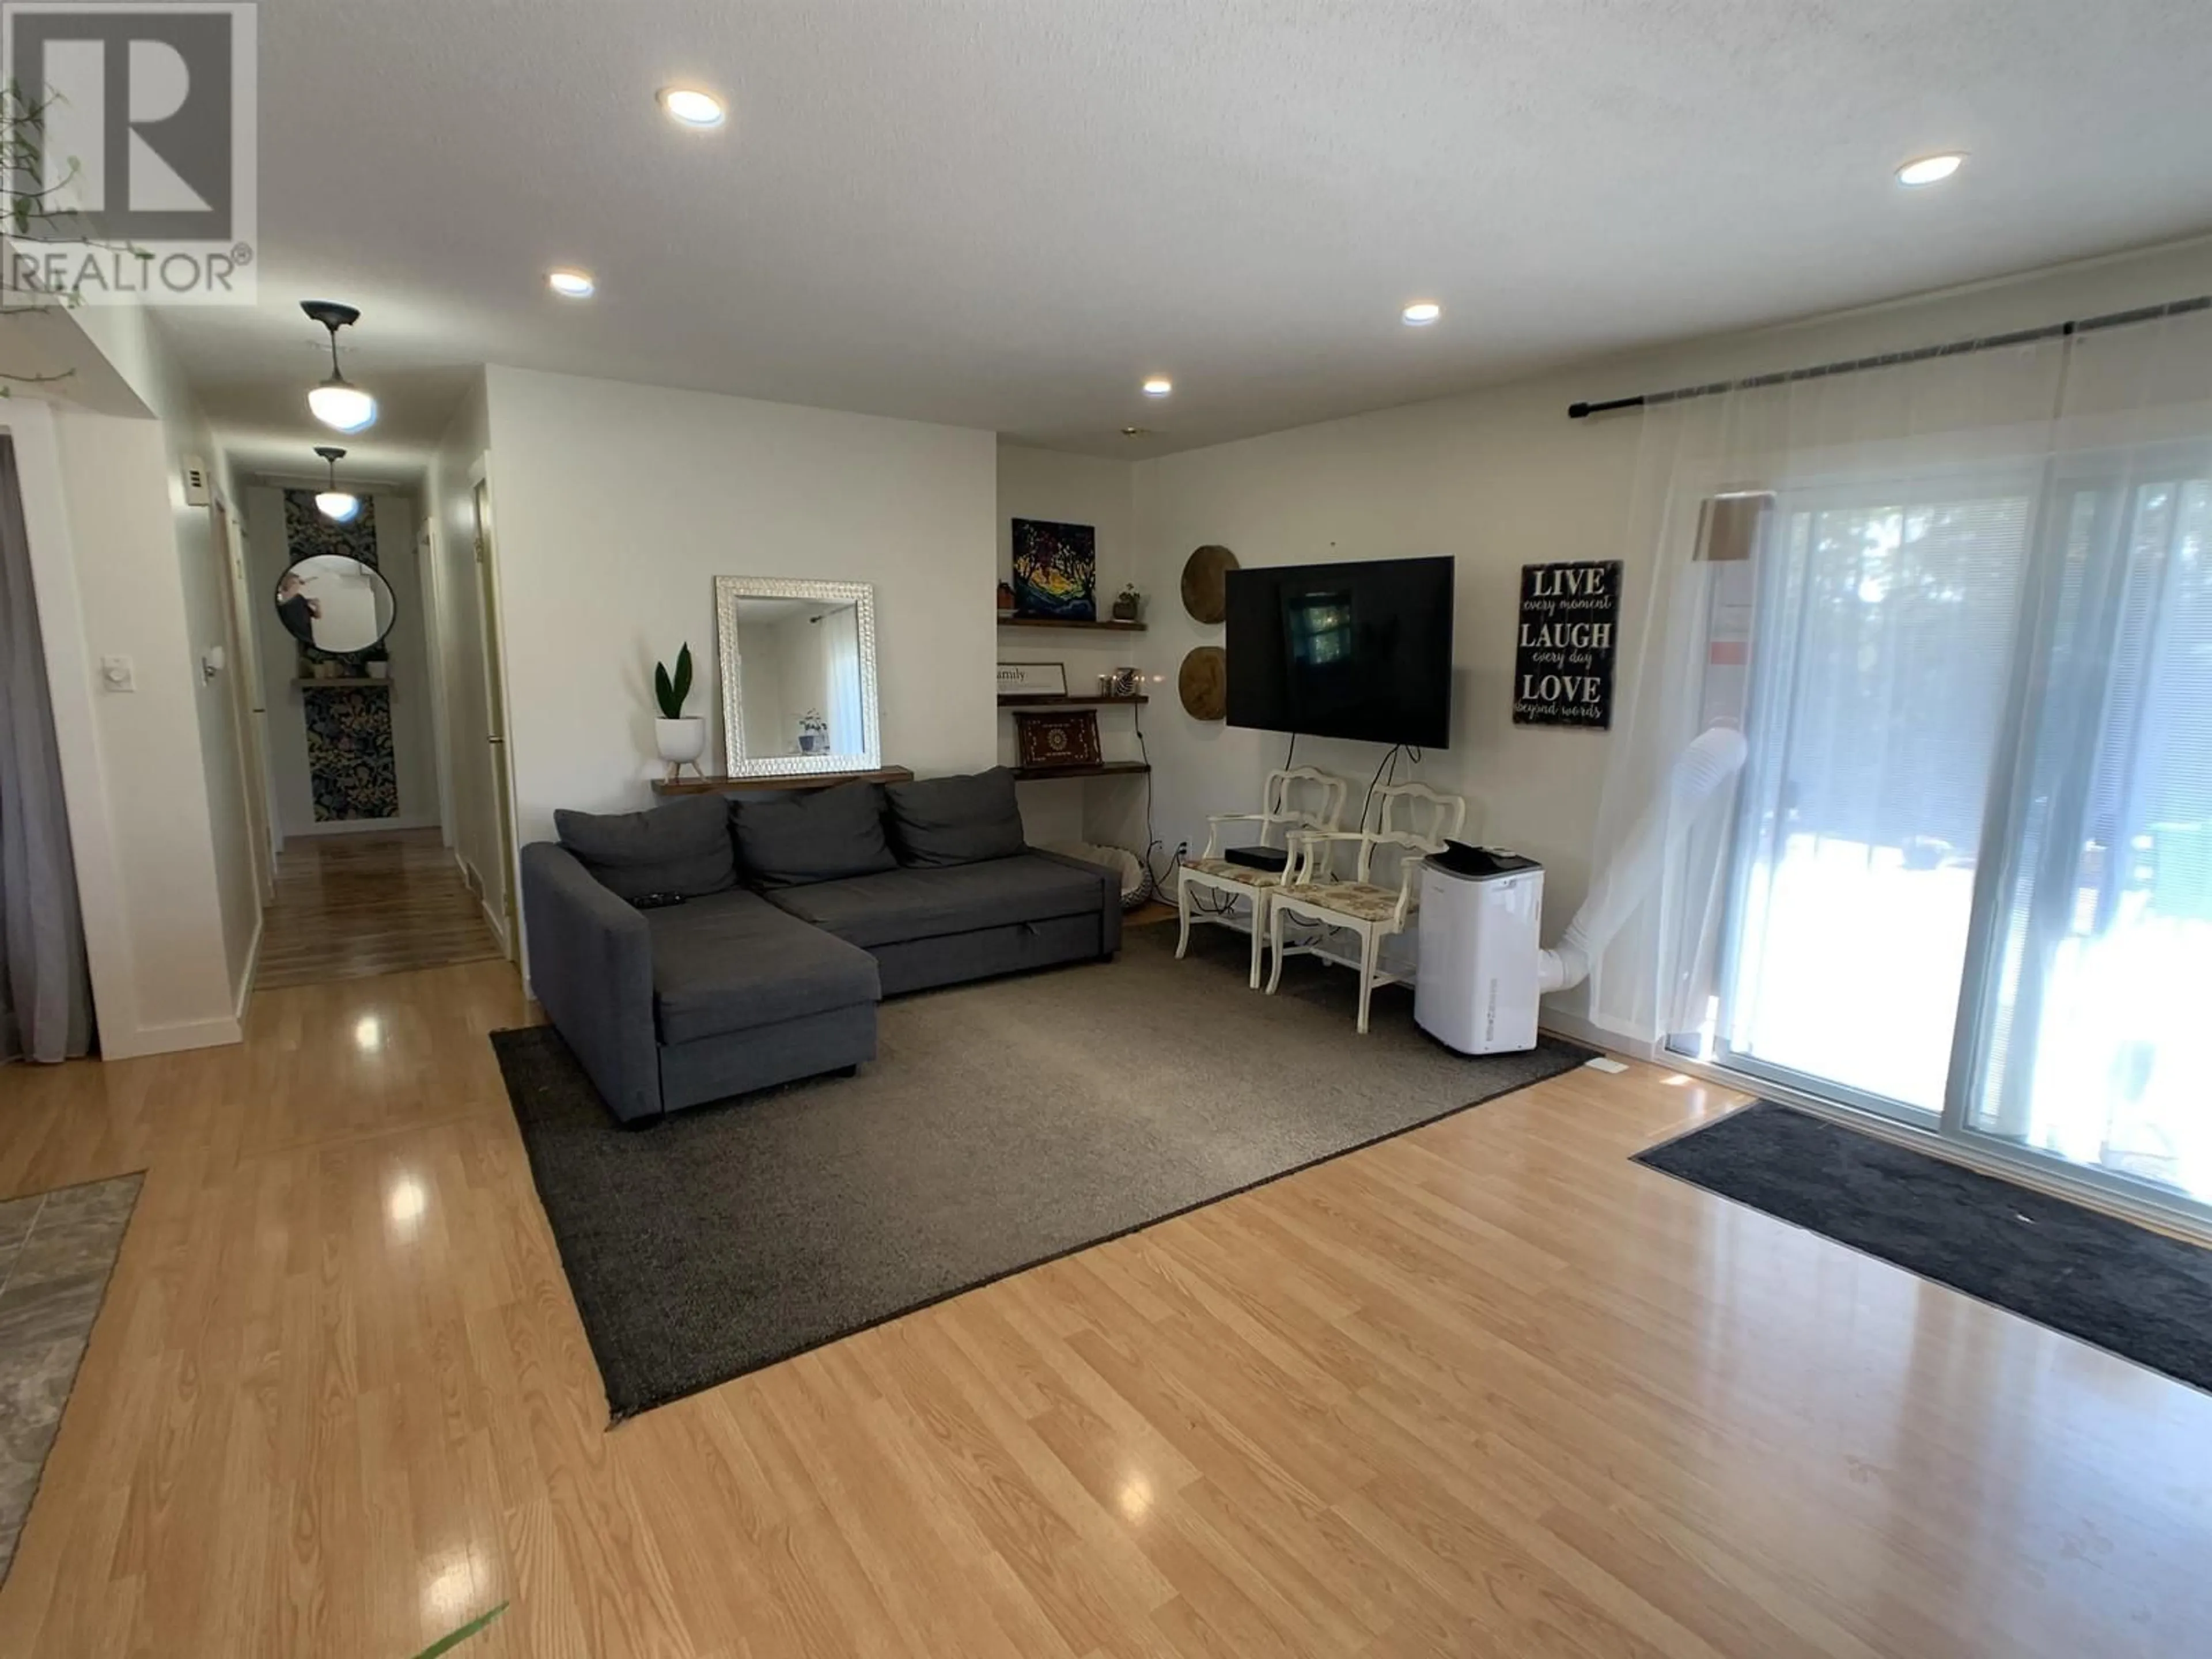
<point>351,906</point>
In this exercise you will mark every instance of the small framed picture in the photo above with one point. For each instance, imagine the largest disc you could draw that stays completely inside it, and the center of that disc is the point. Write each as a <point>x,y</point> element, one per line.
<point>1068,738</point>
<point>1028,682</point>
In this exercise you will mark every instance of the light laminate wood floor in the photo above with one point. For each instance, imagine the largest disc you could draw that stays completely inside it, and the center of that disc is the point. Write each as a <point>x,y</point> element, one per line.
<point>374,903</point>
<point>1485,1390</point>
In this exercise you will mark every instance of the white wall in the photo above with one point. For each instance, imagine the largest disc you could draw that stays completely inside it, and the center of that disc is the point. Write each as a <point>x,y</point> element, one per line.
<point>618,505</point>
<point>1500,478</point>
<point>171,818</point>
<point>409,643</point>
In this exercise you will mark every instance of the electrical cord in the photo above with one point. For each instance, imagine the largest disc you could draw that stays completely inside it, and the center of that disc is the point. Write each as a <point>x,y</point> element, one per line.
<point>1161,887</point>
<point>1368,805</point>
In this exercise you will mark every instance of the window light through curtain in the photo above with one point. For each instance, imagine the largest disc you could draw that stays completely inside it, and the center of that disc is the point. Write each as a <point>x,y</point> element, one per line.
<point>841,647</point>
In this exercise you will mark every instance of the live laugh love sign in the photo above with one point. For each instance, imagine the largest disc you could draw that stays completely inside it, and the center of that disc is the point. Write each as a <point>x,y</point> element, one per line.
<point>1563,662</point>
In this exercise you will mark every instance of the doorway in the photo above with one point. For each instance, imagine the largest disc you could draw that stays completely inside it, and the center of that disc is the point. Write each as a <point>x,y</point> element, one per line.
<point>350,670</point>
<point>249,712</point>
<point>502,787</point>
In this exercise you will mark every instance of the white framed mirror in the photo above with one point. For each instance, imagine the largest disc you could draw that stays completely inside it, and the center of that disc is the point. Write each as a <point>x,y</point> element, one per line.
<point>798,676</point>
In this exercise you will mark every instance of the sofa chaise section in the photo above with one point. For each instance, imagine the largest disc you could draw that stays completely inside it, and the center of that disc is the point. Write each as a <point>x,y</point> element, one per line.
<point>674,1007</point>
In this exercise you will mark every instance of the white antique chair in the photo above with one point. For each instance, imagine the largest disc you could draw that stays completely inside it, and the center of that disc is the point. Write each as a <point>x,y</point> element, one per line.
<point>1411,820</point>
<point>1295,800</point>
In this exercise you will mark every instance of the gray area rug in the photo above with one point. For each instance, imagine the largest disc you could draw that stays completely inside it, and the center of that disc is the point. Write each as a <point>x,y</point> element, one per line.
<point>57,1250</point>
<point>1003,1124</point>
<point>2130,1291</point>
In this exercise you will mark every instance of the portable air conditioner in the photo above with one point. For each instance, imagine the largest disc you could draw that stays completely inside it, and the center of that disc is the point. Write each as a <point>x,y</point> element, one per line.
<point>1482,972</point>
<point>1481,913</point>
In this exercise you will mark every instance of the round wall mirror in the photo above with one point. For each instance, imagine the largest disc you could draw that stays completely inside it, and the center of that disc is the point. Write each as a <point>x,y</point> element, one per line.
<point>335,602</point>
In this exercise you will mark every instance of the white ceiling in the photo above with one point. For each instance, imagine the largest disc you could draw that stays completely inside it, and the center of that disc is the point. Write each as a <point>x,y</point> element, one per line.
<point>1005,213</point>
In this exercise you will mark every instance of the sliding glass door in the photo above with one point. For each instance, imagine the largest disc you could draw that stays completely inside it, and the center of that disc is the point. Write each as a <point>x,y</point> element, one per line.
<point>1885,625</point>
<point>2087,1044</point>
<point>1971,874</point>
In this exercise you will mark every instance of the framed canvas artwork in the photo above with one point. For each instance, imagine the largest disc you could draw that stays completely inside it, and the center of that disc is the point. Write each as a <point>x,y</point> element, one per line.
<point>1055,570</point>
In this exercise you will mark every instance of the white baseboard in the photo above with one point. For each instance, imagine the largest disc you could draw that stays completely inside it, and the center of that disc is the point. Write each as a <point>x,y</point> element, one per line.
<point>169,1039</point>
<point>361,826</point>
<point>1576,1029</point>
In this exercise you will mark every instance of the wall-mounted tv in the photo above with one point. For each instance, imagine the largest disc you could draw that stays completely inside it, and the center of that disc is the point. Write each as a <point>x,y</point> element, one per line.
<point>1362,650</point>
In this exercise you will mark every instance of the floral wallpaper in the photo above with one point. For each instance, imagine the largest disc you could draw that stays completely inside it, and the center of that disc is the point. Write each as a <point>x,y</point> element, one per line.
<point>350,763</point>
<point>352,769</point>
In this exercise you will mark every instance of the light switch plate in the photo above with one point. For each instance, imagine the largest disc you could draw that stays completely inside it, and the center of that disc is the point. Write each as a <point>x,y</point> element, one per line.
<point>117,674</point>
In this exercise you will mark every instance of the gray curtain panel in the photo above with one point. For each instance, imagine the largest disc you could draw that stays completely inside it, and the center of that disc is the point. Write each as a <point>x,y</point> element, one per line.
<point>45,992</point>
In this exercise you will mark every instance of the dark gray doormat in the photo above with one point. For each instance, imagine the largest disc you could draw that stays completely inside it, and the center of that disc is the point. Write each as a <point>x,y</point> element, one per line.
<point>1003,1124</point>
<point>2130,1291</point>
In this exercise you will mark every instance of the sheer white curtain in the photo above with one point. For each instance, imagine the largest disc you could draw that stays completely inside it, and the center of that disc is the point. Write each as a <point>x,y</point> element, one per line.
<point>1836,526</point>
<point>1960,609</point>
<point>2098,920</point>
<point>45,993</point>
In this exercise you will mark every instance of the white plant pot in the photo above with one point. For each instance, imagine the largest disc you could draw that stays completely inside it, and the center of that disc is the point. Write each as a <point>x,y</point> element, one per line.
<point>680,741</point>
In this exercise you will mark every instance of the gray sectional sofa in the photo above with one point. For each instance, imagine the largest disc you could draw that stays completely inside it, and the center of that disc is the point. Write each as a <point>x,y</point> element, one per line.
<point>800,912</point>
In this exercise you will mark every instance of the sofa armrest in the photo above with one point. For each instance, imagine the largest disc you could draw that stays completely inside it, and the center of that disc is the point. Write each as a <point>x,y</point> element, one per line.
<point>590,965</point>
<point>1110,897</point>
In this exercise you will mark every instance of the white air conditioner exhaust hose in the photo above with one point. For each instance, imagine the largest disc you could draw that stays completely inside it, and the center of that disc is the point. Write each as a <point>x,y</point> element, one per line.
<point>1710,762</point>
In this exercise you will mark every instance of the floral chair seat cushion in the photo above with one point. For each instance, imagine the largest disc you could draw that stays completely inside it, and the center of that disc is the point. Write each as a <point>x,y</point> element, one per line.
<point>1238,872</point>
<point>1357,899</point>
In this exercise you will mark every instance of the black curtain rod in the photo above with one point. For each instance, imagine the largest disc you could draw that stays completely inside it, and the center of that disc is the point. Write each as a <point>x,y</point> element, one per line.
<point>1890,359</point>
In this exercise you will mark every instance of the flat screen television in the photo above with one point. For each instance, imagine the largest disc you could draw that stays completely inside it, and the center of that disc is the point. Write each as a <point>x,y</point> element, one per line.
<point>1361,650</point>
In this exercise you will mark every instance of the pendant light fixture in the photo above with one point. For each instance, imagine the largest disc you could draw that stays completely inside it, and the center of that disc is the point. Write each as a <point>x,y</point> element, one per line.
<point>337,401</point>
<point>336,504</point>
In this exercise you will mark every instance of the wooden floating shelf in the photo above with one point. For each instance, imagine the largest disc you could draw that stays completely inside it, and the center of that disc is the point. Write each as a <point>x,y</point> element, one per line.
<point>1109,626</point>
<point>312,685</point>
<point>1071,702</point>
<point>1110,769</point>
<point>791,782</point>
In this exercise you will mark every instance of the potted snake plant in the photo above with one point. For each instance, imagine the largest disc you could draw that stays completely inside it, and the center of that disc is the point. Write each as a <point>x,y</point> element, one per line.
<point>680,737</point>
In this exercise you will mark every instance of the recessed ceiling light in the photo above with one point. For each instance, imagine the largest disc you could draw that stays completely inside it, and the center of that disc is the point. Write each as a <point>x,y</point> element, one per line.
<point>1421,314</point>
<point>571,284</point>
<point>691,107</point>
<point>1158,386</point>
<point>1136,432</point>
<point>1930,169</point>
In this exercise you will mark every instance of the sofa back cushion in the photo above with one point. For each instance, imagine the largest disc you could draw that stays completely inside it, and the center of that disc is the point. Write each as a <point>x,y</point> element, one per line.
<point>823,834</point>
<point>682,846</point>
<point>958,820</point>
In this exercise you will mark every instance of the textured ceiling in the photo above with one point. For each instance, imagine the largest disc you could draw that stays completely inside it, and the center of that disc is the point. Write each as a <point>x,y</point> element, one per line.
<point>1004,213</point>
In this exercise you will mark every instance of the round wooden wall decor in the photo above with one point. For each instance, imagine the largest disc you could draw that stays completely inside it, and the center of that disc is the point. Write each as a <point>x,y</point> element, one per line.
<point>1205,583</point>
<point>1203,683</point>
